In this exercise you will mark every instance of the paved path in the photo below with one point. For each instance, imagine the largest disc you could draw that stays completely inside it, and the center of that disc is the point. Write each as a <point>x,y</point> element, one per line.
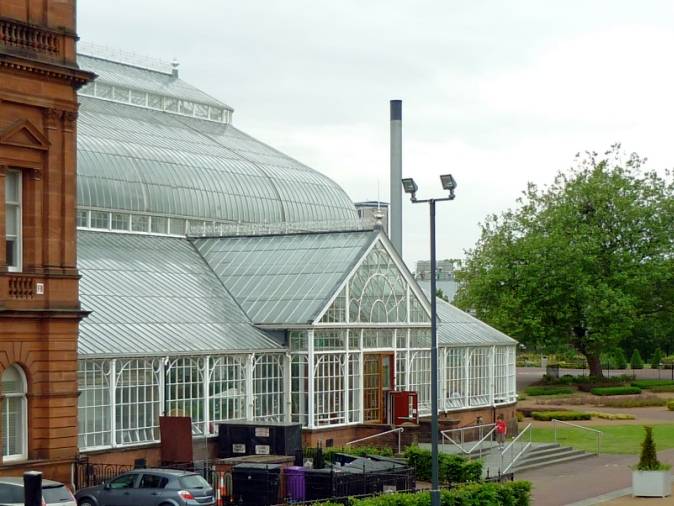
<point>568,483</point>
<point>528,375</point>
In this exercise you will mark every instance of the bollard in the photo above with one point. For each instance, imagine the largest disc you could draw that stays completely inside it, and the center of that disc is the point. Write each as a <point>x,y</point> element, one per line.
<point>32,485</point>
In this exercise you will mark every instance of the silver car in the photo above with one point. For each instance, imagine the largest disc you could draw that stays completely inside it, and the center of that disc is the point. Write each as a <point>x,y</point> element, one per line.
<point>53,493</point>
<point>150,487</point>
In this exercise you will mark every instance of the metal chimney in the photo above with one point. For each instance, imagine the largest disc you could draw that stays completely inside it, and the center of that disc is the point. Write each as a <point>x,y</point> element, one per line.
<point>396,209</point>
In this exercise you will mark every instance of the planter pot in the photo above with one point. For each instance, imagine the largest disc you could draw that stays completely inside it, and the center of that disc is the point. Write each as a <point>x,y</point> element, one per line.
<point>652,483</point>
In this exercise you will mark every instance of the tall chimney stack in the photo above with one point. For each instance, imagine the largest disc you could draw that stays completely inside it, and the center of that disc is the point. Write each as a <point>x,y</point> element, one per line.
<point>396,208</point>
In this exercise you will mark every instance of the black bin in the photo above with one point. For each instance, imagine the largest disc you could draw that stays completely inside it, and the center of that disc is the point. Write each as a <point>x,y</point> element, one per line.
<point>256,484</point>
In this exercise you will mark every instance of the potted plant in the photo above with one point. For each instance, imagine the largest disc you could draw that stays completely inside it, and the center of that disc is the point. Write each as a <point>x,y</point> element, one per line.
<point>650,478</point>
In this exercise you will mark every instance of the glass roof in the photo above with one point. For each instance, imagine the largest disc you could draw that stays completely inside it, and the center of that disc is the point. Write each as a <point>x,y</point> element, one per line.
<point>140,160</point>
<point>155,295</point>
<point>284,279</point>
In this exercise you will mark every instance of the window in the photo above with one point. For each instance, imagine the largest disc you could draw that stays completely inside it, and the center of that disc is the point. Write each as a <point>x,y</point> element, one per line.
<point>14,414</point>
<point>185,391</point>
<point>13,220</point>
<point>100,219</point>
<point>93,403</point>
<point>124,481</point>
<point>152,481</point>
<point>268,388</point>
<point>137,401</point>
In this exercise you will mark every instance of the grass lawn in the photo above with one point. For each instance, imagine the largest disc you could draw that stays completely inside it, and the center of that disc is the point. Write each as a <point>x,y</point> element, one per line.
<point>616,439</point>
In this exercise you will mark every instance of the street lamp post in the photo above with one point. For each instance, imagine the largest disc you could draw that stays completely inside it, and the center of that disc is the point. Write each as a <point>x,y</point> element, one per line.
<point>449,184</point>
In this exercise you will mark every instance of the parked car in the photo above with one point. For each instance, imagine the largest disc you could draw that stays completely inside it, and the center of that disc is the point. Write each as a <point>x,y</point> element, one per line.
<point>53,492</point>
<point>150,487</point>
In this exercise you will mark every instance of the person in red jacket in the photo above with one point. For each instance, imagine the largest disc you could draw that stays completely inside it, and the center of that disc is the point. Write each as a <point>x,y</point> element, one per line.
<point>501,430</point>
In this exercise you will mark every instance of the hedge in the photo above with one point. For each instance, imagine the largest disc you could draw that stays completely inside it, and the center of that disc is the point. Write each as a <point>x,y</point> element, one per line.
<point>453,468</point>
<point>646,384</point>
<point>515,493</point>
<point>534,391</point>
<point>546,416</point>
<point>662,388</point>
<point>633,402</point>
<point>670,404</point>
<point>611,416</point>
<point>616,391</point>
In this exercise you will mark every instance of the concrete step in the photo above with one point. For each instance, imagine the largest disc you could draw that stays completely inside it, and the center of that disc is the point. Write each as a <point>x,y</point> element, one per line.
<point>550,459</point>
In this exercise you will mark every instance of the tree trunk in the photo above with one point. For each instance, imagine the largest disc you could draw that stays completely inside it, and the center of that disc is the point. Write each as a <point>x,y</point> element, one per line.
<point>594,363</point>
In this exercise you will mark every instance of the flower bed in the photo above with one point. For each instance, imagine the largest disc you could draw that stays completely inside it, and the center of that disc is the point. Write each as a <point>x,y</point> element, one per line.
<point>546,416</point>
<point>603,391</point>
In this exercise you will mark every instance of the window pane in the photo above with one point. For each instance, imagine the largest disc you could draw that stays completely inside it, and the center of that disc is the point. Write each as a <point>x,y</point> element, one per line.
<point>99,219</point>
<point>139,223</point>
<point>12,425</point>
<point>120,221</point>
<point>103,90</point>
<point>154,101</point>
<point>159,225</point>
<point>12,187</point>
<point>138,97</point>
<point>82,216</point>
<point>11,253</point>
<point>11,220</point>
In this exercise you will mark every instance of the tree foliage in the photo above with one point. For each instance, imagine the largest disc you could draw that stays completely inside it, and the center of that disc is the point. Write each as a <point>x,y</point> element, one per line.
<point>584,262</point>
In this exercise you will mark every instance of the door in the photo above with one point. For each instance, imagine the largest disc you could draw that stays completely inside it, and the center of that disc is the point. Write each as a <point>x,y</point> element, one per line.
<point>378,378</point>
<point>118,492</point>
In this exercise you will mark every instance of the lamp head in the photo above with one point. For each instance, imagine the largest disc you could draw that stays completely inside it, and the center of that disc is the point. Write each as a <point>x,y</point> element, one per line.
<point>410,187</point>
<point>448,182</point>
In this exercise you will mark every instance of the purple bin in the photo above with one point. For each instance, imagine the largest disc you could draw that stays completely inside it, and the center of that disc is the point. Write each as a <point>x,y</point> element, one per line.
<point>295,487</point>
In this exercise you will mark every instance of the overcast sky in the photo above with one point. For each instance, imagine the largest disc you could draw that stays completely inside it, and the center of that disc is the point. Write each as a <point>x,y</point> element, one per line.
<point>496,93</point>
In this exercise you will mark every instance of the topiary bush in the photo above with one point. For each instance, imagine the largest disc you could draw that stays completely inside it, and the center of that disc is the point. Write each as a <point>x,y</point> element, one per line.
<point>670,404</point>
<point>649,457</point>
<point>611,416</point>
<point>636,361</point>
<point>616,391</point>
<point>656,358</point>
<point>554,390</point>
<point>546,416</point>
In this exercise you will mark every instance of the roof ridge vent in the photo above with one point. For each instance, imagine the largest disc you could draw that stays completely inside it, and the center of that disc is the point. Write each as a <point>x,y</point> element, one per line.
<point>174,67</point>
<point>128,58</point>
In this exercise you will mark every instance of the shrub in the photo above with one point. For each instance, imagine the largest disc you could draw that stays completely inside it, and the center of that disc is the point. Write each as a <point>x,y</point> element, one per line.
<point>612,416</point>
<point>616,391</point>
<point>649,458</point>
<point>662,388</point>
<point>668,361</point>
<point>615,360</point>
<point>534,391</point>
<point>670,404</point>
<point>656,358</point>
<point>633,402</point>
<point>520,416</point>
<point>546,416</point>
<point>636,361</point>
<point>515,493</point>
<point>453,468</point>
<point>650,383</point>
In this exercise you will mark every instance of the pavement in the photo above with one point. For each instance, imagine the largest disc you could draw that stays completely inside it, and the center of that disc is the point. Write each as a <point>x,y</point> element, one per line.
<point>589,481</point>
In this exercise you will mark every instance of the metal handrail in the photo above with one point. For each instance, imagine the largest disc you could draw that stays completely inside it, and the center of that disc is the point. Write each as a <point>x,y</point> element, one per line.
<point>462,431</point>
<point>599,433</point>
<point>528,429</point>
<point>399,430</point>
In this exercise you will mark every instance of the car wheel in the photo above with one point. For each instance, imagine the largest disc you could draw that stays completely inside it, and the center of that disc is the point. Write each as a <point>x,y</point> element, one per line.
<point>85,502</point>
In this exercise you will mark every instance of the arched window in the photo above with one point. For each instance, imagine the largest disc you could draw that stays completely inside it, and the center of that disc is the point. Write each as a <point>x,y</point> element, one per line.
<point>14,414</point>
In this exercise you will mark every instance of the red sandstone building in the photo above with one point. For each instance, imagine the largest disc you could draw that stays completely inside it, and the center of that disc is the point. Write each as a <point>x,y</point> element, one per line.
<point>39,305</point>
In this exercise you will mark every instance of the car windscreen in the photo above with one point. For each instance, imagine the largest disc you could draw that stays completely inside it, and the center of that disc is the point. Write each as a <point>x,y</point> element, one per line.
<point>11,493</point>
<point>193,481</point>
<point>55,494</point>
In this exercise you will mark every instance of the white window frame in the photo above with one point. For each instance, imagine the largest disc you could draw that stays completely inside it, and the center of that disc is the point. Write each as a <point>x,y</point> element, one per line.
<point>17,457</point>
<point>19,218</point>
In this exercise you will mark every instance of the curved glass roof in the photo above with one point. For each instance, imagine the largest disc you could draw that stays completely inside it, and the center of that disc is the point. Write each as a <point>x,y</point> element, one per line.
<point>138,160</point>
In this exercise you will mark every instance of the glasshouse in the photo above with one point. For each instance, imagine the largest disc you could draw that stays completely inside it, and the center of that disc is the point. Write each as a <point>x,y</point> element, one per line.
<point>227,281</point>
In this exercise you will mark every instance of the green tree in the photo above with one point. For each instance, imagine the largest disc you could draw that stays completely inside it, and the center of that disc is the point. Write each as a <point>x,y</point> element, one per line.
<point>581,262</point>
<point>636,362</point>
<point>656,359</point>
<point>440,294</point>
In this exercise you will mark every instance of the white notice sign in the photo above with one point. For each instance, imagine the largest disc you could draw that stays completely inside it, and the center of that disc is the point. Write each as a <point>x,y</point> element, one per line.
<point>261,449</point>
<point>238,448</point>
<point>261,431</point>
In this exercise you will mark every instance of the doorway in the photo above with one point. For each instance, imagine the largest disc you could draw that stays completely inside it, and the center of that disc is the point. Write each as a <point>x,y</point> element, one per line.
<point>378,379</point>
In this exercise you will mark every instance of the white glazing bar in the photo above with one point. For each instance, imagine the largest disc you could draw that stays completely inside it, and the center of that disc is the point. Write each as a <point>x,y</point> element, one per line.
<point>205,377</point>
<point>113,402</point>
<point>287,388</point>
<point>311,368</point>
<point>408,361</point>
<point>346,378</point>
<point>250,364</point>
<point>492,374</point>
<point>466,379</point>
<point>442,368</point>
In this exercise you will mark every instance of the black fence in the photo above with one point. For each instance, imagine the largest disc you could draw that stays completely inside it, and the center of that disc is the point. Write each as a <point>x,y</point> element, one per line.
<point>91,474</point>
